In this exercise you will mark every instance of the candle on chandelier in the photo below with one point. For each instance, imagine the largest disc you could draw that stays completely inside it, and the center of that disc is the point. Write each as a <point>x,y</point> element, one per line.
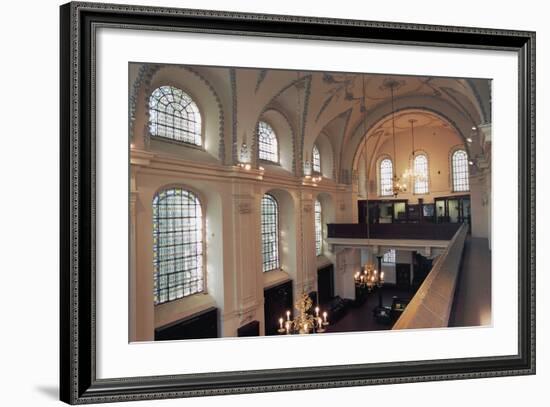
<point>288,315</point>
<point>316,311</point>
<point>281,323</point>
<point>325,316</point>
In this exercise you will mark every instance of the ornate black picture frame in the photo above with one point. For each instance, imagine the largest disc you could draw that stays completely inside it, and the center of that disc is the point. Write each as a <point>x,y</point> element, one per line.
<point>78,380</point>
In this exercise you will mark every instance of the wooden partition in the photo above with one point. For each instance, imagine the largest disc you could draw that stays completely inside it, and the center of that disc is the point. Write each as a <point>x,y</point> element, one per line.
<point>432,303</point>
<point>421,231</point>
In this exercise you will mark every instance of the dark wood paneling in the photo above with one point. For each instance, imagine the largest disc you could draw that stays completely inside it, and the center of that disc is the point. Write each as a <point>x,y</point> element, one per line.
<point>277,300</point>
<point>325,284</point>
<point>402,276</point>
<point>250,329</point>
<point>421,231</point>
<point>198,326</point>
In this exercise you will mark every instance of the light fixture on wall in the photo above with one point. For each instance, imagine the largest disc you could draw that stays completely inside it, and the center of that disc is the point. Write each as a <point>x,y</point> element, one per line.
<point>305,322</point>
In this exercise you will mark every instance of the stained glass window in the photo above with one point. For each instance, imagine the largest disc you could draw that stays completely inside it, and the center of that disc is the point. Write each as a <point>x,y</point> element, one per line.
<point>389,257</point>
<point>421,172</point>
<point>270,233</point>
<point>267,143</point>
<point>461,181</point>
<point>316,159</point>
<point>386,177</point>
<point>318,228</point>
<point>174,115</point>
<point>177,245</point>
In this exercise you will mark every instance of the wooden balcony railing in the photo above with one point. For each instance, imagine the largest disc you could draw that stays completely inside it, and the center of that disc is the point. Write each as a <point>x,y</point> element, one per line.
<point>410,231</point>
<point>431,305</point>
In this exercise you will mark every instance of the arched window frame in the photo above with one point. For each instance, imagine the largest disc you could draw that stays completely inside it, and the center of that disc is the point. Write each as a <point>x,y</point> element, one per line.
<point>421,187</point>
<point>268,143</point>
<point>189,131</point>
<point>318,210</point>
<point>385,180</point>
<point>270,233</point>
<point>460,172</point>
<point>185,215</point>
<point>316,159</point>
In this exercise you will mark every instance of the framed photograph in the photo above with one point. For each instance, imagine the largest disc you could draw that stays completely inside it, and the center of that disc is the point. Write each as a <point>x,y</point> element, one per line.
<point>255,203</point>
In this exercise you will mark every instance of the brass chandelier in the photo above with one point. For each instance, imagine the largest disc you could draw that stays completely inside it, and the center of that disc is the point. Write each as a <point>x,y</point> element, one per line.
<point>305,322</point>
<point>369,277</point>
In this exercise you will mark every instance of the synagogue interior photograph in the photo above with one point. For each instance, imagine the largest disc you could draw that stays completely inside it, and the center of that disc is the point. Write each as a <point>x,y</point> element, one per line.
<point>283,202</point>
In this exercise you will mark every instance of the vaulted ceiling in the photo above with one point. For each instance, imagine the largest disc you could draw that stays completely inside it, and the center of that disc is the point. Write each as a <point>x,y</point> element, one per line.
<point>344,106</point>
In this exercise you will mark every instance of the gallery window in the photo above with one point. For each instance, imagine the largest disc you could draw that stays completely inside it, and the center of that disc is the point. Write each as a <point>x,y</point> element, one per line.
<point>178,248</point>
<point>268,148</point>
<point>421,172</point>
<point>270,233</point>
<point>316,159</point>
<point>389,257</point>
<point>460,173</point>
<point>318,228</point>
<point>386,177</point>
<point>174,115</point>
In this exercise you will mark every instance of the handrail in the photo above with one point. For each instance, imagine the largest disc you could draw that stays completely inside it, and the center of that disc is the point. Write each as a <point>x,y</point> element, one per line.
<point>431,305</point>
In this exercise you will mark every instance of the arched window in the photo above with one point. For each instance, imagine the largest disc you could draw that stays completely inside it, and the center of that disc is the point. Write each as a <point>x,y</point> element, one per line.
<point>421,173</point>
<point>386,177</point>
<point>174,115</point>
<point>270,233</point>
<point>318,228</point>
<point>389,257</point>
<point>316,159</point>
<point>460,173</point>
<point>268,148</point>
<point>178,248</point>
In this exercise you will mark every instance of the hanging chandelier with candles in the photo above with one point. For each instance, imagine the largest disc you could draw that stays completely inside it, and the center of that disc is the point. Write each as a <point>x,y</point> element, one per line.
<point>410,174</point>
<point>398,186</point>
<point>305,322</point>
<point>369,277</point>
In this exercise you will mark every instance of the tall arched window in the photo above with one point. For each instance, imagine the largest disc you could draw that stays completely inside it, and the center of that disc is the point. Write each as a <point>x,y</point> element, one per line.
<point>268,148</point>
<point>421,172</point>
<point>386,177</point>
<point>316,159</point>
<point>318,228</point>
<point>178,248</point>
<point>461,181</point>
<point>174,115</point>
<point>270,233</point>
